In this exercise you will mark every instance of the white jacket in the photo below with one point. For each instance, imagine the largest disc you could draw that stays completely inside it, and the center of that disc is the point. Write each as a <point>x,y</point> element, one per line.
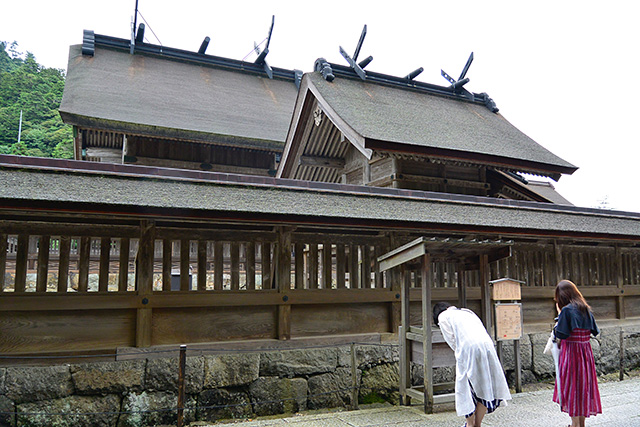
<point>476,359</point>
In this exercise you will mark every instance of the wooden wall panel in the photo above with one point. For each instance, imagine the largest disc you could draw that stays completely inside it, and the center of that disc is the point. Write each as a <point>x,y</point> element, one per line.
<point>338,319</point>
<point>193,325</point>
<point>632,306</point>
<point>51,331</point>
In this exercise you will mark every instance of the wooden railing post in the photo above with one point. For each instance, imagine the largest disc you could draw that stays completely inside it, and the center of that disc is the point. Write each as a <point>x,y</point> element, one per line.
<point>620,312</point>
<point>182,362</point>
<point>144,273</point>
<point>283,275</point>
<point>3,259</point>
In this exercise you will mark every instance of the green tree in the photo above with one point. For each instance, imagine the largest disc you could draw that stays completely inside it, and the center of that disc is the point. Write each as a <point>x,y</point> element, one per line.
<point>35,90</point>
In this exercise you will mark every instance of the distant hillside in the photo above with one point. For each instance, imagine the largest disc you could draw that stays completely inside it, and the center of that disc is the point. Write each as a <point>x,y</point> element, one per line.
<point>37,91</point>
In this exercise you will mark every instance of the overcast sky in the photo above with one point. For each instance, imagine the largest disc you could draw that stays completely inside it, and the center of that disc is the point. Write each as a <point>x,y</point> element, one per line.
<point>563,72</point>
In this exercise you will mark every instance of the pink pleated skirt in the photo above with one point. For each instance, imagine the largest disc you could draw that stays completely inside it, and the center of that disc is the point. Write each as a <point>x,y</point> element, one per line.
<point>578,378</point>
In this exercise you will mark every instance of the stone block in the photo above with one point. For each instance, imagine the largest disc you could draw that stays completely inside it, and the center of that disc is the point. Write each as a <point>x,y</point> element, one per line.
<point>162,374</point>
<point>542,364</point>
<point>220,404</point>
<point>3,374</point>
<point>382,381</point>
<point>508,355</point>
<point>332,389</point>
<point>271,395</point>
<point>292,363</point>
<point>108,377</point>
<point>38,383</point>
<point>228,370</point>
<point>631,348</point>
<point>153,408</point>
<point>7,409</point>
<point>92,410</point>
<point>373,355</point>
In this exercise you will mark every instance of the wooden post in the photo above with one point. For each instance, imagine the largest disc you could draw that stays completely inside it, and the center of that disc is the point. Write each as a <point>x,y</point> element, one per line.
<point>21,263</point>
<point>354,267</point>
<point>313,266</point>
<point>405,350</point>
<point>557,250</point>
<point>427,283</point>
<point>250,263</point>
<point>518,365</point>
<point>218,266</point>
<point>63,263</point>
<point>167,252</point>
<point>184,265</point>
<point>620,312</point>
<point>621,355</point>
<point>266,264</point>
<point>283,272</point>
<point>181,371</point>
<point>103,276</point>
<point>234,252</point>
<point>83,264</point>
<point>485,295</point>
<point>43,264</point>
<point>202,265</point>
<point>327,265</point>
<point>144,275</point>
<point>341,266</point>
<point>123,268</point>
<point>3,259</point>
<point>354,378</point>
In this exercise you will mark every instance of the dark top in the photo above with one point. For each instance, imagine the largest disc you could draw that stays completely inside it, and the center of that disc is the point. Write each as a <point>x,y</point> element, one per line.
<point>571,318</point>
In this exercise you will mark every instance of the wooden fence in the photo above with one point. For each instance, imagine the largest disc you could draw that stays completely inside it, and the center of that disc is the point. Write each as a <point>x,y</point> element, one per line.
<point>86,287</point>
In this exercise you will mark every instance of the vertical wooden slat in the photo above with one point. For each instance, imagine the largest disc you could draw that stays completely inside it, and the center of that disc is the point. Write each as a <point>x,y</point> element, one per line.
<point>299,261</point>
<point>123,267</point>
<point>557,251</point>
<point>218,265</point>
<point>103,277</point>
<point>354,267</point>
<point>313,266</point>
<point>63,263</point>
<point>405,353</point>
<point>167,252</point>
<point>341,266</point>
<point>43,264</point>
<point>250,255</point>
<point>184,265</point>
<point>83,264</point>
<point>266,265</point>
<point>3,259</point>
<point>462,287</point>
<point>235,266</point>
<point>327,265</point>
<point>202,265</point>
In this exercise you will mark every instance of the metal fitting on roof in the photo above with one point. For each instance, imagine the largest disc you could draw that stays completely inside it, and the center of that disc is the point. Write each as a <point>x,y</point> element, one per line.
<point>324,67</point>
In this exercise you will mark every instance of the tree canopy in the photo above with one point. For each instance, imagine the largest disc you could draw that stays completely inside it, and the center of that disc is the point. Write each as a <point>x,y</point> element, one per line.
<point>35,90</point>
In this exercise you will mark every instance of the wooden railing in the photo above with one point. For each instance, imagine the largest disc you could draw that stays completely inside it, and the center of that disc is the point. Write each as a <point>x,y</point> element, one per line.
<point>80,287</point>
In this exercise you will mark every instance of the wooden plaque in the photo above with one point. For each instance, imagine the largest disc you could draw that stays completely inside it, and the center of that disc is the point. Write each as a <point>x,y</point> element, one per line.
<point>508,321</point>
<point>506,290</point>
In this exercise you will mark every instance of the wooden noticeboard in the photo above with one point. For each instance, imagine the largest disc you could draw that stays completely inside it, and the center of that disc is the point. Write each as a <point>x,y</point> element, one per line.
<point>508,321</point>
<point>506,289</point>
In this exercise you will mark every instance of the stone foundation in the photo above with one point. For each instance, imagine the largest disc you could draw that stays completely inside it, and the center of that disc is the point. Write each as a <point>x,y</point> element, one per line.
<point>144,392</point>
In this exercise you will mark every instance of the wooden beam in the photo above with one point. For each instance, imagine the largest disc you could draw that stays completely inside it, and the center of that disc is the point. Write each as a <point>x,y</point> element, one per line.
<point>167,252</point>
<point>620,312</point>
<point>185,271</point>
<point>145,283</point>
<point>485,291</point>
<point>250,261</point>
<point>427,284</point>
<point>202,265</point>
<point>321,162</point>
<point>284,284</point>
<point>218,266</point>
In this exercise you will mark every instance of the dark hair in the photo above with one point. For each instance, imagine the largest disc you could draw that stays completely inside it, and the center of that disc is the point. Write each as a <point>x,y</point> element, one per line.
<point>439,308</point>
<point>567,293</point>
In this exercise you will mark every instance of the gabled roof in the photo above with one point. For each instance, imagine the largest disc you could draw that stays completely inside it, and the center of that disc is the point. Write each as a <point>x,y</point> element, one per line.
<point>376,116</point>
<point>63,185</point>
<point>151,94</point>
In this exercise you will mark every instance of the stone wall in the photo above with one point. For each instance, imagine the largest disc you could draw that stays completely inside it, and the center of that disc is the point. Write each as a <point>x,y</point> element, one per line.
<point>239,385</point>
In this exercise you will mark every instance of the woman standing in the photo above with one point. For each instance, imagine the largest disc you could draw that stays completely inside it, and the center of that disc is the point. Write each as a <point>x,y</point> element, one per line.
<point>480,382</point>
<point>578,395</point>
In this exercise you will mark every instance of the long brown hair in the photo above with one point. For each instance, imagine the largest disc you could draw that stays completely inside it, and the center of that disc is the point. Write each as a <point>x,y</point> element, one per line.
<point>567,293</point>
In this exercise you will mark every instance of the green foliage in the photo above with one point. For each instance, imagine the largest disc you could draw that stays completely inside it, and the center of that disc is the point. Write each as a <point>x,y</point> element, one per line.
<point>35,90</point>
